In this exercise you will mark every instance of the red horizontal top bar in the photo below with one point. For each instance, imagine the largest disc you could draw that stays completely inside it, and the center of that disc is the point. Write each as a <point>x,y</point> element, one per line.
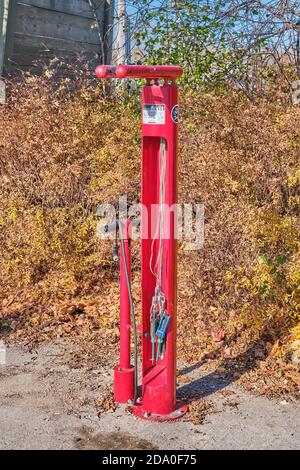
<point>138,71</point>
<point>106,71</point>
<point>148,71</point>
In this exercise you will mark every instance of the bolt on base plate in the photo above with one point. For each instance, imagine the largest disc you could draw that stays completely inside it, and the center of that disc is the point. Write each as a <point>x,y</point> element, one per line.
<point>139,412</point>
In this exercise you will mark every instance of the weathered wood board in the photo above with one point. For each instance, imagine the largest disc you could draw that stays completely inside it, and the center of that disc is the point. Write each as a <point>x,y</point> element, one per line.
<point>43,29</point>
<point>42,22</point>
<point>74,7</point>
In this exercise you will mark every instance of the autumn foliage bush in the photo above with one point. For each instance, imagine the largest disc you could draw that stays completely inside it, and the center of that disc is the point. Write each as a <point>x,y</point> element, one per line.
<point>64,148</point>
<point>241,159</point>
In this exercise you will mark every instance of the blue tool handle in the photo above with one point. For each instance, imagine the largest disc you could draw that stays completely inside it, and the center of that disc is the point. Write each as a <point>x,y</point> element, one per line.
<point>163,325</point>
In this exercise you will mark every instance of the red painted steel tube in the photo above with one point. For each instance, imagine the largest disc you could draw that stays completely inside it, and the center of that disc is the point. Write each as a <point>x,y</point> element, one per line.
<point>139,71</point>
<point>148,71</point>
<point>125,320</point>
<point>159,380</point>
<point>160,128</point>
<point>106,71</point>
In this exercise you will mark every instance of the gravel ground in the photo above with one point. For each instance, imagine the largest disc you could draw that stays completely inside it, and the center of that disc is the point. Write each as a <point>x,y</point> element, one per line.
<point>48,402</point>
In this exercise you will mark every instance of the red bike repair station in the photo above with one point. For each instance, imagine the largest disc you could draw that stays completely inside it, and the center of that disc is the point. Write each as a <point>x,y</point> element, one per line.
<point>158,253</point>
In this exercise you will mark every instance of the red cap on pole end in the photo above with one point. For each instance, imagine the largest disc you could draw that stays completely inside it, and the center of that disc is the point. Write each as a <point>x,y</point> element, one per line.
<point>121,71</point>
<point>105,71</point>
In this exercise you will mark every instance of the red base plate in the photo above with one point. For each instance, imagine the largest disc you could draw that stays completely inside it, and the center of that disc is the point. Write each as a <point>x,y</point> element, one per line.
<point>139,411</point>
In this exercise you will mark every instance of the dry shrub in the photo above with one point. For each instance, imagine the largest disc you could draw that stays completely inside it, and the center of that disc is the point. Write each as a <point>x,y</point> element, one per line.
<point>57,146</point>
<point>67,148</point>
<point>241,159</point>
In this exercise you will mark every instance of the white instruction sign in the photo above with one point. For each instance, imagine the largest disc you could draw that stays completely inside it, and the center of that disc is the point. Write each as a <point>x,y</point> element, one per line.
<point>154,114</point>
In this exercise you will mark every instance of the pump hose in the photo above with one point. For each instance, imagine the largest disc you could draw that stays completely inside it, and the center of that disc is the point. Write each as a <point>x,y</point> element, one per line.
<point>132,313</point>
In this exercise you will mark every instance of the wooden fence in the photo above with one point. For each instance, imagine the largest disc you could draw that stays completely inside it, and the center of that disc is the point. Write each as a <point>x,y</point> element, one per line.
<point>34,30</point>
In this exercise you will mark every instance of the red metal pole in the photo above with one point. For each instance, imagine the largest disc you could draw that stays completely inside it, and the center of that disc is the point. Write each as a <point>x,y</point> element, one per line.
<point>125,321</point>
<point>148,71</point>
<point>138,71</point>
<point>124,372</point>
<point>160,113</point>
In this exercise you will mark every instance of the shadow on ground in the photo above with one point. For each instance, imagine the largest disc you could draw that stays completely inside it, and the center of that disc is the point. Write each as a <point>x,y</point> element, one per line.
<point>228,372</point>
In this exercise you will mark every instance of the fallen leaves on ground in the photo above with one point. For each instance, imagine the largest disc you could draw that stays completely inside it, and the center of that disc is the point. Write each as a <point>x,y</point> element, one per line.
<point>218,335</point>
<point>226,393</point>
<point>106,403</point>
<point>231,403</point>
<point>199,410</point>
<point>183,379</point>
